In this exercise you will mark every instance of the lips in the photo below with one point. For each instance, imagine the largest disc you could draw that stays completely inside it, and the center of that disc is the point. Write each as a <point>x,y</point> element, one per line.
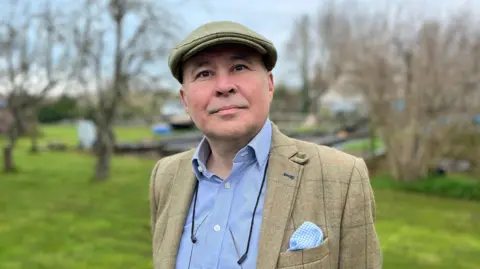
<point>226,108</point>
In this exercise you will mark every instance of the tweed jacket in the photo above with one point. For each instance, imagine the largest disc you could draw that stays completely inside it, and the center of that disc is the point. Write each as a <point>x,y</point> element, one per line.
<point>329,188</point>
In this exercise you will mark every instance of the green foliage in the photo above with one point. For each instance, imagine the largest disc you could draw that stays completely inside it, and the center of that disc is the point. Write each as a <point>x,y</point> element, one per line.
<point>448,187</point>
<point>452,186</point>
<point>88,112</point>
<point>63,108</point>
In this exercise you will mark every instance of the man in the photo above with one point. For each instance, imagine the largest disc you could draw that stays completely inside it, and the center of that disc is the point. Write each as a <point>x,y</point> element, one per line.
<point>248,196</point>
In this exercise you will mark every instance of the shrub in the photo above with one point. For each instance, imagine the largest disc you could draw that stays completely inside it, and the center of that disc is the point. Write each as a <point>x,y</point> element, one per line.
<point>453,186</point>
<point>63,108</point>
<point>447,186</point>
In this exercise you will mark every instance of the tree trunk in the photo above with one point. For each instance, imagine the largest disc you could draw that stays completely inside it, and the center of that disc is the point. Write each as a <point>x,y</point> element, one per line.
<point>104,150</point>
<point>8,164</point>
<point>102,169</point>
<point>392,157</point>
<point>405,164</point>
<point>306,102</point>
<point>8,160</point>
<point>410,171</point>
<point>34,144</point>
<point>34,138</point>
<point>314,108</point>
<point>373,138</point>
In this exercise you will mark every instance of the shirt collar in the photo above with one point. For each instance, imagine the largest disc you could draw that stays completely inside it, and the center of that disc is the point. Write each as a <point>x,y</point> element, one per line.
<point>259,145</point>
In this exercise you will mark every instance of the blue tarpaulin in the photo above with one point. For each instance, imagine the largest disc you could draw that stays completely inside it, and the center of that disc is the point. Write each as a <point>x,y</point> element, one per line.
<point>161,129</point>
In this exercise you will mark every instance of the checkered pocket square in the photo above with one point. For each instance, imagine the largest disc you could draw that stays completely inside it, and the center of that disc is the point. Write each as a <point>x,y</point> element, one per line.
<point>308,235</point>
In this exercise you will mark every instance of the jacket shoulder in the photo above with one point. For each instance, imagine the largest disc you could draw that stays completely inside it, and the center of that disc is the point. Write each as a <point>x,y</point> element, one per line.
<point>329,163</point>
<point>163,175</point>
<point>168,165</point>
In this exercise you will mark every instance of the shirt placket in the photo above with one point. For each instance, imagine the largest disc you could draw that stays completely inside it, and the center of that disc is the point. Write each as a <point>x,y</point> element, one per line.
<point>217,225</point>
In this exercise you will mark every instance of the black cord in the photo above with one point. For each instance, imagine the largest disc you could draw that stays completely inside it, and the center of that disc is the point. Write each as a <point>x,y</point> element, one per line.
<point>192,236</point>
<point>244,256</point>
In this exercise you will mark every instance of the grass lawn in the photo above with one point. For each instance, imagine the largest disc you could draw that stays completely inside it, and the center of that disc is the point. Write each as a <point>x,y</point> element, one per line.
<point>357,147</point>
<point>68,133</point>
<point>53,216</point>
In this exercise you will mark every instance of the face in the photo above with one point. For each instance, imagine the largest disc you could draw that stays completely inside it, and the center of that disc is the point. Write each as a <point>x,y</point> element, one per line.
<point>227,91</point>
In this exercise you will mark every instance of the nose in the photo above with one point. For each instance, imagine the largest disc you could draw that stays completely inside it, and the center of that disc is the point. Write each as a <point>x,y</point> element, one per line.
<point>224,85</point>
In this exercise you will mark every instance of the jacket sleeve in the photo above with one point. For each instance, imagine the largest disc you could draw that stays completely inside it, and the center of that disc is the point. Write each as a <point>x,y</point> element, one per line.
<point>359,244</point>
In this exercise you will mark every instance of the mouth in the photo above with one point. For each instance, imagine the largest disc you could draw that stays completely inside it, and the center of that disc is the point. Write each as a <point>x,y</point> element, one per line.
<point>227,109</point>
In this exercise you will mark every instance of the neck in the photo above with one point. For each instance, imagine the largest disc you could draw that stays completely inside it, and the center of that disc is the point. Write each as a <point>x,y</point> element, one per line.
<point>222,154</point>
<point>224,150</point>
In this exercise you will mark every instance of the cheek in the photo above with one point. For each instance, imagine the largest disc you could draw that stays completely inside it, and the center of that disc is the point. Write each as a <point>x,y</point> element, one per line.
<point>198,101</point>
<point>259,96</point>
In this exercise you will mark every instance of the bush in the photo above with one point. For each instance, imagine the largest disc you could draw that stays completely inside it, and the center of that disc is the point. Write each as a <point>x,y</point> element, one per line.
<point>62,109</point>
<point>452,186</point>
<point>448,187</point>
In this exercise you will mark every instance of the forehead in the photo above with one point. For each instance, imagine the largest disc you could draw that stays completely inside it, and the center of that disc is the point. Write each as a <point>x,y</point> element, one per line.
<point>223,51</point>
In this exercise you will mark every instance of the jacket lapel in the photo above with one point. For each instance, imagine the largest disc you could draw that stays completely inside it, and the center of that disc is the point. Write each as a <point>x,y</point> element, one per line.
<point>284,175</point>
<point>181,197</point>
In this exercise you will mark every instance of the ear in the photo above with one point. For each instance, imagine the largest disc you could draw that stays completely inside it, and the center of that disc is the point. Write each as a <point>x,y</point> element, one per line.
<point>184,99</point>
<point>271,84</point>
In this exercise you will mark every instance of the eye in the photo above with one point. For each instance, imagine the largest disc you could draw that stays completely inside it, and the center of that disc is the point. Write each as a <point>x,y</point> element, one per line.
<point>203,74</point>
<point>239,67</point>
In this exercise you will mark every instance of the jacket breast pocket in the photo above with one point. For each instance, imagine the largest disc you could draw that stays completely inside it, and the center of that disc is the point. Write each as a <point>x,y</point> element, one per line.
<point>311,258</point>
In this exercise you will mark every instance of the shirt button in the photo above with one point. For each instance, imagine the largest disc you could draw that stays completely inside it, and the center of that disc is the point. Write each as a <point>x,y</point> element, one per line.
<point>216,228</point>
<point>200,169</point>
<point>227,185</point>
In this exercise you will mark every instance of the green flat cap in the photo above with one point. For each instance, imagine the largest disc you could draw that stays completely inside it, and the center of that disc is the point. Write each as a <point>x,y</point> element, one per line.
<point>220,32</point>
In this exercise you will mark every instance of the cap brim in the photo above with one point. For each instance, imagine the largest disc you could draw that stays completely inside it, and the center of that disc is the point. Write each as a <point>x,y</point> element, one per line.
<point>188,49</point>
<point>220,41</point>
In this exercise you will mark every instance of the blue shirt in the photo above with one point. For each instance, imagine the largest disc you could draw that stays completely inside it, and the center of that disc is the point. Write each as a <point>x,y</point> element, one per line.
<point>224,209</point>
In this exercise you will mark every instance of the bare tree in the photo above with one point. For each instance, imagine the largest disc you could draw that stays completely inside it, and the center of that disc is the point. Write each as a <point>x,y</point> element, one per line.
<point>145,100</point>
<point>316,46</point>
<point>331,32</point>
<point>299,49</point>
<point>32,55</point>
<point>110,58</point>
<point>418,77</point>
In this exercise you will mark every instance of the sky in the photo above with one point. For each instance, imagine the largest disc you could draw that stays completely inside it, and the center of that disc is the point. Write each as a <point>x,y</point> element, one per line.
<point>273,19</point>
<point>270,18</point>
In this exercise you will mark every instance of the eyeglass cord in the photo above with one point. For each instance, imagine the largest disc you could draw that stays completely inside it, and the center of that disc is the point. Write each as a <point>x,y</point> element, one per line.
<point>244,256</point>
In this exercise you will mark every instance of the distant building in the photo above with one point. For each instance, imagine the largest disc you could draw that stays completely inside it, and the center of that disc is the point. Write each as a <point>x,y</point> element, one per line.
<point>338,103</point>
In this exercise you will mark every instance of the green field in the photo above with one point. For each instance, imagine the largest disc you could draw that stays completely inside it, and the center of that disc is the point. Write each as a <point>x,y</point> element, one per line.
<point>53,216</point>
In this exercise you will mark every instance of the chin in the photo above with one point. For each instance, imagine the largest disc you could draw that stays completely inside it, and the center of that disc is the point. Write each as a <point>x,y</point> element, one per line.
<point>228,129</point>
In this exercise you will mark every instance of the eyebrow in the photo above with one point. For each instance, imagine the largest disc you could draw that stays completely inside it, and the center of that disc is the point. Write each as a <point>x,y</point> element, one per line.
<point>198,64</point>
<point>201,62</point>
